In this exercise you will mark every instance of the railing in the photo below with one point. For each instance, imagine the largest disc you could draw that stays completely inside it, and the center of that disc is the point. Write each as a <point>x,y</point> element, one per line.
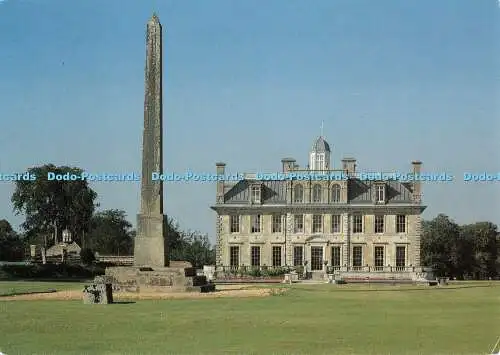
<point>329,268</point>
<point>246,268</point>
<point>56,259</point>
<point>369,268</point>
<point>116,260</point>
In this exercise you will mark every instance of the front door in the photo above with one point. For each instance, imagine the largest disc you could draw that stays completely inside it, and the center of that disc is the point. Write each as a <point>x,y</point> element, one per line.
<point>316,258</point>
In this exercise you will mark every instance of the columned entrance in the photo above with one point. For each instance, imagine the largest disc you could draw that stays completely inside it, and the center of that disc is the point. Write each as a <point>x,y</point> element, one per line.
<point>316,258</point>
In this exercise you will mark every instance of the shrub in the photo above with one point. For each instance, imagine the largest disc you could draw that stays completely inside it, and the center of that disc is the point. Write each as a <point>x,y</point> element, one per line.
<point>87,256</point>
<point>279,271</point>
<point>49,271</point>
<point>255,272</point>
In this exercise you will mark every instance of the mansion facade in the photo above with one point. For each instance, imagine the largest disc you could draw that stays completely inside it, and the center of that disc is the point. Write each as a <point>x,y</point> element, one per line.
<point>344,224</point>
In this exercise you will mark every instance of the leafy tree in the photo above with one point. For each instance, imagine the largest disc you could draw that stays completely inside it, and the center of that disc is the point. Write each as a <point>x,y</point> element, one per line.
<point>469,251</point>
<point>189,246</point>
<point>440,249</point>
<point>12,247</point>
<point>111,233</point>
<point>482,245</point>
<point>198,250</point>
<point>87,256</point>
<point>173,236</point>
<point>50,203</point>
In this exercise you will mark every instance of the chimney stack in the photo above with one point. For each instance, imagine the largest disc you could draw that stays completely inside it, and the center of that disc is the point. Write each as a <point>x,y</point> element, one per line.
<point>288,164</point>
<point>220,170</point>
<point>349,166</point>
<point>417,187</point>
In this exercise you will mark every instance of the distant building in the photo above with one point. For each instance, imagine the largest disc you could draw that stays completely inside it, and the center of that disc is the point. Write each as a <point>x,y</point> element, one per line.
<point>351,225</point>
<point>71,248</point>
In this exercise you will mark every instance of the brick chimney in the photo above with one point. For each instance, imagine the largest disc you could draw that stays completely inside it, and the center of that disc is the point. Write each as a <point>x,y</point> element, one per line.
<point>349,166</point>
<point>417,187</point>
<point>220,170</point>
<point>288,164</point>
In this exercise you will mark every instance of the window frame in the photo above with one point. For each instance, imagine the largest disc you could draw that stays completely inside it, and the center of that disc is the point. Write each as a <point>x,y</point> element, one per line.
<point>317,225</point>
<point>256,223</point>
<point>355,230</point>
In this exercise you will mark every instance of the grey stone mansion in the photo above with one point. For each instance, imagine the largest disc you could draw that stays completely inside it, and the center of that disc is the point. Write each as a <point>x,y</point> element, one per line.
<point>349,224</point>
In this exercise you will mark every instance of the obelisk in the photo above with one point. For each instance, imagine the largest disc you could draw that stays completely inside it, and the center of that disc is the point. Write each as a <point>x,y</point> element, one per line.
<point>149,248</point>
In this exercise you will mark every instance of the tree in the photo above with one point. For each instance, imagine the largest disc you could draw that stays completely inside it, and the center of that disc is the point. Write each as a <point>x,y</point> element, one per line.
<point>189,246</point>
<point>482,246</point>
<point>198,250</point>
<point>111,233</point>
<point>12,247</point>
<point>50,205</point>
<point>172,233</point>
<point>469,251</point>
<point>440,245</point>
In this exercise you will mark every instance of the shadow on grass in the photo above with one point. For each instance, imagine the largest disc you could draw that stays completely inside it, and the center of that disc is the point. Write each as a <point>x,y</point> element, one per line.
<point>68,280</point>
<point>123,302</point>
<point>22,293</point>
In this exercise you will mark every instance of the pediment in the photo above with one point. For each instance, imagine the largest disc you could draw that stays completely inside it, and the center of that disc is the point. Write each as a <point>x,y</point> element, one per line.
<point>317,239</point>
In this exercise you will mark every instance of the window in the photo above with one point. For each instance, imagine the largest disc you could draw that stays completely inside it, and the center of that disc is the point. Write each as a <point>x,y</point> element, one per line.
<point>379,224</point>
<point>235,223</point>
<point>276,227</point>
<point>357,223</point>
<point>256,223</point>
<point>319,161</point>
<point>255,257</point>
<point>255,194</point>
<point>357,256</point>
<point>276,256</point>
<point>298,255</point>
<point>336,223</point>
<point>317,226</point>
<point>298,223</point>
<point>401,257</point>
<point>379,258</point>
<point>316,193</point>
<point>316,258</point>
<point>379,193</point>
<point>336,193</point>
<point>234,256</point>
<point>336,256</point>
<point>400,224</point>
<point>298,194</point>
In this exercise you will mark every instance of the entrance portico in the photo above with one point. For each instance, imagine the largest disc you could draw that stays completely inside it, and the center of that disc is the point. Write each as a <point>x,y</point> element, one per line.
<point>316,254</point>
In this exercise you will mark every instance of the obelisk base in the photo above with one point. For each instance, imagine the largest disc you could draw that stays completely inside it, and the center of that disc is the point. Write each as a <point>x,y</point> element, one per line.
<point>149,245</point>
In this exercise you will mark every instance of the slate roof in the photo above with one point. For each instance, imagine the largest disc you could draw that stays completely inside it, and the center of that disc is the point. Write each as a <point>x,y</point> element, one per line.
<point>320,145</point>
<point>359,192</point>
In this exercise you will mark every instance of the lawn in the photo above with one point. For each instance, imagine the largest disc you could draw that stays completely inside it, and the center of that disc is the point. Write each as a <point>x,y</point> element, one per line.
<point>8,288</point>
<point>313,319</point>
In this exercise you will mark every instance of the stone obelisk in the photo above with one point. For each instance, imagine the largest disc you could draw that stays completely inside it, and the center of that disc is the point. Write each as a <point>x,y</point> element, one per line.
<point>150,249</point>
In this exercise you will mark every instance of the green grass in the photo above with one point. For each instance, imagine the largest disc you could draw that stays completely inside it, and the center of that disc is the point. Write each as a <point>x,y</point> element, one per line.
<point>10,288</point>
<point>313,319</point>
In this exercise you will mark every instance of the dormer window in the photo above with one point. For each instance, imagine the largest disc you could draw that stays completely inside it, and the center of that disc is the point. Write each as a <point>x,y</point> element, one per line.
<point>255,194</point>
<point>379,193</point>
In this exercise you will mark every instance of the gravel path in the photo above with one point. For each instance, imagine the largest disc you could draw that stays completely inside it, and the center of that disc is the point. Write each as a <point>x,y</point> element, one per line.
<point>222,291</point>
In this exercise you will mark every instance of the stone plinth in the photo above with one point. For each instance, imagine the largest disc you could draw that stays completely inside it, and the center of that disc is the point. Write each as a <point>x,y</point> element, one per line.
<point>149,245</point>
<point>100,292</point>
<point>209,272</point>
<point>291,277</point>
<point>168,279</point>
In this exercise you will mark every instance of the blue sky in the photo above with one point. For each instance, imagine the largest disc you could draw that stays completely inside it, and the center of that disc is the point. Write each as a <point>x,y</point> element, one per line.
<point>248,83</point>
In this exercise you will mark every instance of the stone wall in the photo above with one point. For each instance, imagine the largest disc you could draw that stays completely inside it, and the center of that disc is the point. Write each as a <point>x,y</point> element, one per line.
<point>135,279</point>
